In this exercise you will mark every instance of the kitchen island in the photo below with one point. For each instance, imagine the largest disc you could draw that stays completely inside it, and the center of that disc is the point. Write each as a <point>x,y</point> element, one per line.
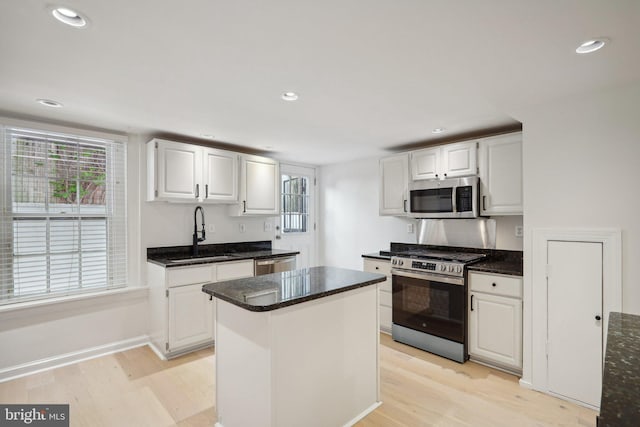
<point>296,348</point>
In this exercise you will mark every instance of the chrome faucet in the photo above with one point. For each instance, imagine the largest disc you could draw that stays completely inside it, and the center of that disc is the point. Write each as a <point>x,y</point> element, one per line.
<point>197,239</point>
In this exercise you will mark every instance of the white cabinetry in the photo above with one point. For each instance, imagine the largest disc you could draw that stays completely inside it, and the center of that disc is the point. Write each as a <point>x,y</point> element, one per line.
<point>495,320</point>
<point>394,179</point>
<point>183,172</point>
<point>182,316</point>
<point>501,174</point>
<point>259,187</point>
<point>446,161</point>
<point>384,291</point>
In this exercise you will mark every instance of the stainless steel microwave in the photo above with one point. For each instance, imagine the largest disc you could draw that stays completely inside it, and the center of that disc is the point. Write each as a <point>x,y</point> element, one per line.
<point>446,198</point>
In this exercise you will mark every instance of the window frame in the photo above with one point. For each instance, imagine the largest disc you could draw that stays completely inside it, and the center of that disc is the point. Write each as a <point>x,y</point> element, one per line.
<point>114,215</point>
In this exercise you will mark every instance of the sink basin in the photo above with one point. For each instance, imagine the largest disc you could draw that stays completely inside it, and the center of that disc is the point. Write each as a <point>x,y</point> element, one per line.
<point>202,258</point>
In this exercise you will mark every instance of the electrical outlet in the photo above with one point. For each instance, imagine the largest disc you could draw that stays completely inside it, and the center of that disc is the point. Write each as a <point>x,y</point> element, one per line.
<point>242,227</point>
<point>211,228</point>
<point>267,226</point>
<point>409,228</point>
<point>519,230</point>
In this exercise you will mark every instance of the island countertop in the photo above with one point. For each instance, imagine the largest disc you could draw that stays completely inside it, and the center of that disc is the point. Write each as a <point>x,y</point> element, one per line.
<point>277,290</point>
<point>620,401</point>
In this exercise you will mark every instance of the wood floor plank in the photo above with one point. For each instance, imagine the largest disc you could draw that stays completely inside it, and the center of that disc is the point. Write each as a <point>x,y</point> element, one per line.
<point>135,388</point>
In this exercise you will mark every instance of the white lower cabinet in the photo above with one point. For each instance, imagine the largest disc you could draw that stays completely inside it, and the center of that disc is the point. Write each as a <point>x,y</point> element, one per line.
<point>384,291</point>
<point>182,316</point>
<point>495,320</point>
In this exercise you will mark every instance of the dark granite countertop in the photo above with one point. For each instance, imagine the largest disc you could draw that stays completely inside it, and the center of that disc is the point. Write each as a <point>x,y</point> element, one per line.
<point>382,255</point>
<point>620,401</point>
<point>278,290</point>
<point>508,266</point>
<point>497,261</point>
<point>179,256</point>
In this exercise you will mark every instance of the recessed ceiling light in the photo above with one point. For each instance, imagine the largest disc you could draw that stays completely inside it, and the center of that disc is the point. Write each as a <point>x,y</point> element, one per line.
<point>49,103</point>
<point>69,17</point>
<point>290,96</point>
<point>591,45</point>
<point>438,130</point>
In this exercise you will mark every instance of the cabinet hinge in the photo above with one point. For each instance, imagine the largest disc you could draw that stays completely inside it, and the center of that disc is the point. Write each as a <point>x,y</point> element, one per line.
<point>547,271</point>
<point>166,293</point>
<point>314,180</point>
<point>166,346</point>
<point>156,193</point>
<point>314,226</point>
<point>478,170</point>
<point>156,144</point>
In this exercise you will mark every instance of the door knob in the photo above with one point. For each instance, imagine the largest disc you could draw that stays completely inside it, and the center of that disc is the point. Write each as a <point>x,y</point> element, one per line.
<point>598,317</point>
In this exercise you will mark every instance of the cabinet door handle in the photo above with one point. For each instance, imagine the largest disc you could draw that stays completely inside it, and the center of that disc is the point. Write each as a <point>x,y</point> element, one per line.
<point>598,317</point>
<point>404,204</point>
<point>206,191</point>
<point>244,206</point>
<point>484,203</point>
<point>197,190</point>
<point>493,284</point>
<point>445,175</point>
<point>471,302</point>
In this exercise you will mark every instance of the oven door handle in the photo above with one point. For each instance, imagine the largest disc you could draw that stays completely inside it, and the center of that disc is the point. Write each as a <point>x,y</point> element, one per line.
<point>422,276</point>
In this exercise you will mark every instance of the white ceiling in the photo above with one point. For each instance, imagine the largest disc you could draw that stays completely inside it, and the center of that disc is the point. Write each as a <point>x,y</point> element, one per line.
<point>371,74</point>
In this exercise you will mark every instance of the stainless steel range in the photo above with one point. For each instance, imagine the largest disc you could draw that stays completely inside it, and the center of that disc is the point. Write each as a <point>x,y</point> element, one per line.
<point>430,301</point>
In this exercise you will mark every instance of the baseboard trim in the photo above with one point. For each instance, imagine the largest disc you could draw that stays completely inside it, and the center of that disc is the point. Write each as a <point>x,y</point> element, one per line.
<point>525,384</point>
<point>363,414</point>
<point>41,365</point>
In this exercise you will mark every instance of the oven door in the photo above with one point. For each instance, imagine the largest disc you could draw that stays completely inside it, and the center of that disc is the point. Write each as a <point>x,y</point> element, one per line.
<point>429,303</point>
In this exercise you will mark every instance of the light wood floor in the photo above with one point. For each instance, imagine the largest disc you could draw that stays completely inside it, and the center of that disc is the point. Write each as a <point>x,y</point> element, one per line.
<point>135,388</point>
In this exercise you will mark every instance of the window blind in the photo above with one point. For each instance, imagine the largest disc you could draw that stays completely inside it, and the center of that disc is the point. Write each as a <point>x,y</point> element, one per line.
<point>63,218</point>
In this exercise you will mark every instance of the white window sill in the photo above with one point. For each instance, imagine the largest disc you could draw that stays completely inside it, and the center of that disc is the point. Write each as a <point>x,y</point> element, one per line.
<point>129,291</point>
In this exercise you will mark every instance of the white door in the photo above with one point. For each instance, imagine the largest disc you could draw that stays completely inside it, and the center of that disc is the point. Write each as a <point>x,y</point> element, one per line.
<point>260,182</point>
<point>296,227</point>
<point>394,177</point>
<point>425,164</point>
<point>501,174</point>
<point>495,328</point>
<point>220,175</point>
<point>459,159</point>
<point>178,170</point>
<point>190,316</point>
<point>574,328</point>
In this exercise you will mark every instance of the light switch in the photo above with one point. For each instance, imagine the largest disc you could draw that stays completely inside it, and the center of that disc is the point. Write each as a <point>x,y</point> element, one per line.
<point>409,228</point>
<point>242,228</point>
<point>211,228</point>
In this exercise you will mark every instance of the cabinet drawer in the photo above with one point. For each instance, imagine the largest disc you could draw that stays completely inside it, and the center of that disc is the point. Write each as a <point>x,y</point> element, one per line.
<point>374,266</point>
<point>385,298</point>
<point>234,270</point>
<point>190,275</point>
<point>496,284</point>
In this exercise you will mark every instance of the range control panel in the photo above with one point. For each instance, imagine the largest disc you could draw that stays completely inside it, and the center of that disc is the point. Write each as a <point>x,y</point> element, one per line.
<point>449,268</point>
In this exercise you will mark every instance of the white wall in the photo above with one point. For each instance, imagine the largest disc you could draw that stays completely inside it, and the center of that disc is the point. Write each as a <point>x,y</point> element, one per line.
<point>349,222</point>
<point>581,170</point>
<point>42,333</point>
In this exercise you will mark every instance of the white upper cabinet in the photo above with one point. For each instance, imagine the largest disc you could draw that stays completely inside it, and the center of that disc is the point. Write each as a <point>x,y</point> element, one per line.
<point>173,170</point>
<point>181,172</point>
<point>459,159</point>
<point>446,161</point>
<point>394,177</point>
<point>425,164</point>
<point>259,187</point>
<point>501,175</point>
<point>220,175</point>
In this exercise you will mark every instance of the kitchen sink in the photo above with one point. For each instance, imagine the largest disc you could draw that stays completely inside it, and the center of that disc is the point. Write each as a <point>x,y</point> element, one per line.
<point>202,258</point>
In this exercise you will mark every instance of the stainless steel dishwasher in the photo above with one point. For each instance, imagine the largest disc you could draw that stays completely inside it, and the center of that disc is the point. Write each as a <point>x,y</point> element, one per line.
<point>274,265</point>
